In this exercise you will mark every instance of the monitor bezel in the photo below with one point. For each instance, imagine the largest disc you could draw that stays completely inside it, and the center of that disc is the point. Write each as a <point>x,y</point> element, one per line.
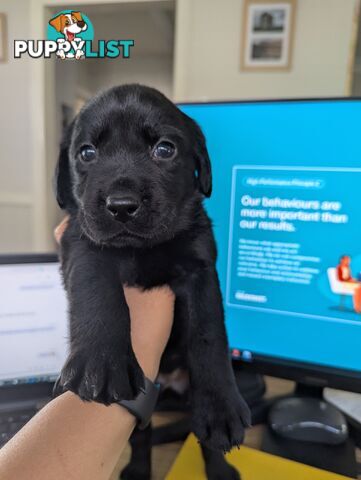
<point>312,374</point>
<point>24,258</point>
<point>272,100</point>
<point>27,391</point>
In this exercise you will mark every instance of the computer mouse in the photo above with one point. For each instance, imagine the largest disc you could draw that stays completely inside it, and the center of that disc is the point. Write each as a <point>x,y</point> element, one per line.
<point>308,420</point>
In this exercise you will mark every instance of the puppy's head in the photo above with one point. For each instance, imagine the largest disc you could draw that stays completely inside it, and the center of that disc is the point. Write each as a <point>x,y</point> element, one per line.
<point>69,24</point>
<point>134,167</point>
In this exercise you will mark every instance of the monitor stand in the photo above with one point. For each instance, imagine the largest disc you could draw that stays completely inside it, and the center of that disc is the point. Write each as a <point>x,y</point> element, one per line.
<point>335,458</point>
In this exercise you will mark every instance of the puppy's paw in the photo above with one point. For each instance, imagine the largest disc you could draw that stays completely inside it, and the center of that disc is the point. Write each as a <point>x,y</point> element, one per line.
<point>220,418</point>
<point>106,378</point>
<point>223,472</point>
<point>135,472</point>
<point>61,54</point>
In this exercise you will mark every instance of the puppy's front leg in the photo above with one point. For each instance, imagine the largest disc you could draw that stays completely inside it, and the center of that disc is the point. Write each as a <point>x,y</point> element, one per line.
<point>101,365</point>
<point>219,413</point>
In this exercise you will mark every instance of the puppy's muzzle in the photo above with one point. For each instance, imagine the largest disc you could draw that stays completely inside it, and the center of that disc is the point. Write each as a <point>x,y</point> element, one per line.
<point>122,209</point>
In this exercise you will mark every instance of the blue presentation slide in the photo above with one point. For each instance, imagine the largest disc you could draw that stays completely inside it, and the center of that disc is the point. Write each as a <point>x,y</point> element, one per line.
<point>287,219</point>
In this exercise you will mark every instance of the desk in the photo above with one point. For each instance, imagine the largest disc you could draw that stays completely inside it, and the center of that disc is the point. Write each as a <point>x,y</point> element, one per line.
<point>253,465</point>
<point>163,456</point>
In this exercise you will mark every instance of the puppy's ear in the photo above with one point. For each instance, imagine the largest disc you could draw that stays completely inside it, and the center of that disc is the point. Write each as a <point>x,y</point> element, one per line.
<point>203,163</point>
<point>77,15</point>
<point>57,22</point>
<point>62,182</point>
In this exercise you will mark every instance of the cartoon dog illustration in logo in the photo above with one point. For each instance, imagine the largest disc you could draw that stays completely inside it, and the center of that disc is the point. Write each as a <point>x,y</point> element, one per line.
<point>69,24</point>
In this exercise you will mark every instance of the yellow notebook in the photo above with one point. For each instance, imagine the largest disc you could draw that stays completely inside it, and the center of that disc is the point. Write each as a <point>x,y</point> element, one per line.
<point>252,464</point>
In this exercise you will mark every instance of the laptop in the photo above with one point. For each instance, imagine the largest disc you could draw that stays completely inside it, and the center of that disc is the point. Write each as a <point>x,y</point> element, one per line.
<point>33,336</point>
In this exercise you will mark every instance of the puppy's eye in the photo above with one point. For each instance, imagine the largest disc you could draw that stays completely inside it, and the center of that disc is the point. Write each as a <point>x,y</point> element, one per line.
<point>88,153</point>
<point>164,150</point>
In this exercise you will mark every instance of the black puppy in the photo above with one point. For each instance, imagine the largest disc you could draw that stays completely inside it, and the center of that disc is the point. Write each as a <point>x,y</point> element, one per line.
<point>132,173</point>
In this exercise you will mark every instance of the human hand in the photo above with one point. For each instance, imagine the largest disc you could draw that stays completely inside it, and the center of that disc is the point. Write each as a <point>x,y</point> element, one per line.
<point>60,229</point>
<point>151,320</point>
<point>151,316</point>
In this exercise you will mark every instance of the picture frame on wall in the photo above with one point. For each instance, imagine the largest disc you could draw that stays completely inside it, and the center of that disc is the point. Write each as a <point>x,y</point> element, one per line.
<point>3,37</point>
<point>268,31</point>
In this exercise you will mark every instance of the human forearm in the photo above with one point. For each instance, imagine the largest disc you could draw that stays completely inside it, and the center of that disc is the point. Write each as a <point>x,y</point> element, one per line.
<point>68,439</point>
<point>72,439</point>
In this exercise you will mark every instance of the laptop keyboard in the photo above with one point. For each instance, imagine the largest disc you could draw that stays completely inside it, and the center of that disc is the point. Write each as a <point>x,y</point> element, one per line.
<point>12,422</point>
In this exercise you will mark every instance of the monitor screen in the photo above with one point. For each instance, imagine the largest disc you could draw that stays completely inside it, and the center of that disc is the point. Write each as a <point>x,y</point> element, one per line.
<point>33,323</point>
<point>287,219</point>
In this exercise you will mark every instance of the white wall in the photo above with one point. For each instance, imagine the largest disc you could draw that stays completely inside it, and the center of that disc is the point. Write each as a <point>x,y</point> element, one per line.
<point>208,41</point>
<point>15,136</point>
<point>356,80</point>
<point>153,70</point>
<point>85,78</point>
<point>14,102</point>
<point>151,61</point>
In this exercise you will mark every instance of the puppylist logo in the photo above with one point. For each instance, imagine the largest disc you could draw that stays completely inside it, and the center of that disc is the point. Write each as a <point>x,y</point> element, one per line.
<point>71,36</point>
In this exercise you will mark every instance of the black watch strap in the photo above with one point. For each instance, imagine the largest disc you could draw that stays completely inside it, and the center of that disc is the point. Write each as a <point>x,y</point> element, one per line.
<point>143,405</point>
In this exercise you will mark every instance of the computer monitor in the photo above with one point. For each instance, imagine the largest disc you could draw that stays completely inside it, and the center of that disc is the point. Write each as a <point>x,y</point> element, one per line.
<point>33,320</point>
<point>287,220</point>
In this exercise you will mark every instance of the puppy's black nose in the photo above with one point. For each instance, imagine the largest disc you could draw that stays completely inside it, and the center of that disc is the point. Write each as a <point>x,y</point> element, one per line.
<point>122,208</point>
<point>80,23</point>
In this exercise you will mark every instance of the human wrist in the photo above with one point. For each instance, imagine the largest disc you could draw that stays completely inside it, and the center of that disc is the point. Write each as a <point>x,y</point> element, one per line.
<point>149,366</point>
<point>143,405</point>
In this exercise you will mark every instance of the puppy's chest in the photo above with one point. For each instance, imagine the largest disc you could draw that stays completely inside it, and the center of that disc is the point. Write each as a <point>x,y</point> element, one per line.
<point>155,267</point>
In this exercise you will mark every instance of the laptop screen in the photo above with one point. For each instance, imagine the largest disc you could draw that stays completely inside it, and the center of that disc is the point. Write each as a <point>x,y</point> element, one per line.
<point>33,323</point>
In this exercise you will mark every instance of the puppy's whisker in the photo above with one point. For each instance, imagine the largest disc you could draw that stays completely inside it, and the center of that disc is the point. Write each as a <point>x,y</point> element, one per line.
<point>89,215</point>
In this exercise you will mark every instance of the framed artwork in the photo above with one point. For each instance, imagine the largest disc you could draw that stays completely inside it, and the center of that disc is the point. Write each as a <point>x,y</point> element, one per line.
<point>268,28</point>
<point>3,37</point>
